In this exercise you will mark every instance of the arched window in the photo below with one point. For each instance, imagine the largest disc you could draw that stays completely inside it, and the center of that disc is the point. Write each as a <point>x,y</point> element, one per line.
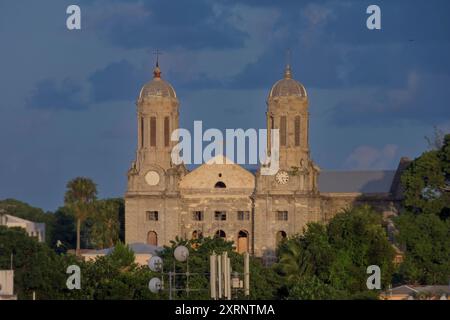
<point>142,132</point>
<point>152,238</point>
<point>220,234</point>
<point>166,132</point>
<point>283,128</point>
<point>281,236</point>
<point>242,244</point>
<point>297,130</point>
<point>197,234</point>
<point>152,131</point>
<point>220,184</point>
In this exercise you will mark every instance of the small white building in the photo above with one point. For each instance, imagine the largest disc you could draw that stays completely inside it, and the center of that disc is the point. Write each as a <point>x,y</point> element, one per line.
<point>7,285</point>
<point>34,229</point>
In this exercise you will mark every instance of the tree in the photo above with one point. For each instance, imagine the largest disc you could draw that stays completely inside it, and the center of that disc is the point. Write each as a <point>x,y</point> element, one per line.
<point>294,262</point>
<point>330,261</point>
<point>424,225</point>
<point>25,211</point>
<point>426,239</point>
<point>64,233</point>
<point>36,267</point>
<point>80,195</point>
<point>105,226</point>
<point>426,182</point>
<point>311,288</point>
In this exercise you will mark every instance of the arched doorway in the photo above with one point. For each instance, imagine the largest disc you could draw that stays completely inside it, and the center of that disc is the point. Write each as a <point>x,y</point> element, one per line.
<point>152,238</point>
<point>281,236</point>
<point>220,234</point>
<point>197,234</point>
<point>242,243</point>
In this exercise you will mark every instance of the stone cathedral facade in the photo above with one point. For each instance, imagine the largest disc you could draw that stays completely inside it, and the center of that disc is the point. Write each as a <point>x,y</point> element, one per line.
<point>164,200</point>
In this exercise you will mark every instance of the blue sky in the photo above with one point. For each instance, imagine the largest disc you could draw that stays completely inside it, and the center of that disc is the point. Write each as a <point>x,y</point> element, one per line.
<point>67,104</point>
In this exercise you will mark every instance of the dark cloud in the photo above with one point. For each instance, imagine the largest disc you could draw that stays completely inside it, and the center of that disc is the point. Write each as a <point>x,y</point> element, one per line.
<point>50,94</point>
<point>117,81</point>
<point>166,24</point>
<point>424,99</point>
<point>332,48</point>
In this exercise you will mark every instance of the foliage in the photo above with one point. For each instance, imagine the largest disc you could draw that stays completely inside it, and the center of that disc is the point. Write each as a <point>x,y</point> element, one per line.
<point>426,239</point>
<point>64,230</point>
<point>105,226</point>
<point>80,195</point>
<point>112,277</point>
<point>25,211</point>
<point>426,182</point>
<point>424,227</point>
<point>311,288</point>
<point>332,260</point>
<point>37,268</point>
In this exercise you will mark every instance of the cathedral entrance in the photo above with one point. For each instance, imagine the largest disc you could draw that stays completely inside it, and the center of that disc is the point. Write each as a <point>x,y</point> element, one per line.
<point>242,243</point>
<point>152,238</point>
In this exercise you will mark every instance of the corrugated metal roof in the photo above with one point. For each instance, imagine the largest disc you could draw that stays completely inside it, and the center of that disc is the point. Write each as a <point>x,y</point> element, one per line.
<point>356,181</point>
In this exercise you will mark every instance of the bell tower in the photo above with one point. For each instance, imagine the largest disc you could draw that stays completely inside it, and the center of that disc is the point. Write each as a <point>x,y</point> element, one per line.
<point>287,111</point>
<point>157,116</point>
<point>151,200</point>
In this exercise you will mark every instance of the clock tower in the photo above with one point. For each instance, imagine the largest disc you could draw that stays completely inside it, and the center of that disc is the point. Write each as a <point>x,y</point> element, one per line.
<point>287,111</point>
<point>153,178</point>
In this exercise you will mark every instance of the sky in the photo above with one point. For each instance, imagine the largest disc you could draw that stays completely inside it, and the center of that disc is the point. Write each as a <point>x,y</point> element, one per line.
<point>67,105</point>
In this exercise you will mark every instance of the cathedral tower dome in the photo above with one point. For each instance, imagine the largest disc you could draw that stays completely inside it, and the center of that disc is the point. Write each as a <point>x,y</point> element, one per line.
<point>157,87</point>
<point>287,86</point>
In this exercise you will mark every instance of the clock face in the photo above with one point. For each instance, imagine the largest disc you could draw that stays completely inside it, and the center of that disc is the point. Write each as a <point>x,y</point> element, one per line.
<point>152,178</point>
<point>282,177</point>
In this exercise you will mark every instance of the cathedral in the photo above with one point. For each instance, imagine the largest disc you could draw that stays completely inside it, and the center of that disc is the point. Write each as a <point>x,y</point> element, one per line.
<point>255,211</point>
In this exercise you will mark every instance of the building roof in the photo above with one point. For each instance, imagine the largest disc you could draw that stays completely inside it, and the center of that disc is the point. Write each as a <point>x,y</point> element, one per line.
<point>410,290</point>
<point>287,86</point>
<point>157,87</point>
<point>356,181</point>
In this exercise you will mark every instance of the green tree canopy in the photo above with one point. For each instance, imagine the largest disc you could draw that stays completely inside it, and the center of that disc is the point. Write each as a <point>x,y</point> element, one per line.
<point>80,195</point>
<point>333,258</point>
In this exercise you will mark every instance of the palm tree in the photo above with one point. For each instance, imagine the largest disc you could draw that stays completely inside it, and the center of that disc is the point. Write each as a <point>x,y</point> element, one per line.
<point>294,261</point>
<point>80,195</point>
<point>106,226</point>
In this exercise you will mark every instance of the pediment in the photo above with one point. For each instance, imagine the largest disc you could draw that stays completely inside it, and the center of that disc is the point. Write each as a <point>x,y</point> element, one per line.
<point>218,169</point>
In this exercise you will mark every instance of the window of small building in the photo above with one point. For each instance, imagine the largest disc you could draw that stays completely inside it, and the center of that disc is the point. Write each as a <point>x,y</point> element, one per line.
<point>197,216</point>
<point>243,215</point>
<point>220,215</point>
<point>152,215</point>
<point>282,215</point>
